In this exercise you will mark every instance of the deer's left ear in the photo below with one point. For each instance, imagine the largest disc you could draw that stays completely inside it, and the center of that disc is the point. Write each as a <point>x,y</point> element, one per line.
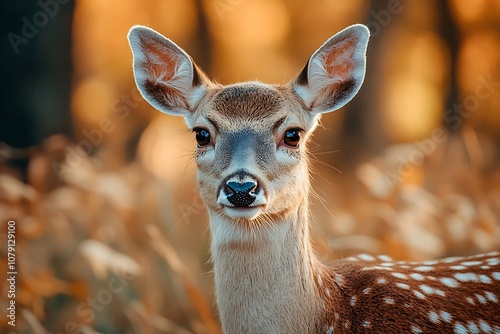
<point>335,72</point>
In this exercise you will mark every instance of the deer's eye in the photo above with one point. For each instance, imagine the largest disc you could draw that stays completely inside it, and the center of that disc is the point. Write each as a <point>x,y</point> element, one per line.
<point>292,138</point>
<point>202,137</point>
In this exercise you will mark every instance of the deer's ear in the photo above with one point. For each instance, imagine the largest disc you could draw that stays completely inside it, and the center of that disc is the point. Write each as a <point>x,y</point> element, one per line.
<point>164,73</point>
<point>335,72</point>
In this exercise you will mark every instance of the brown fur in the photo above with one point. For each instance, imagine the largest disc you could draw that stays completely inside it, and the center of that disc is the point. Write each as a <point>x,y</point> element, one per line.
<point>397,297</point>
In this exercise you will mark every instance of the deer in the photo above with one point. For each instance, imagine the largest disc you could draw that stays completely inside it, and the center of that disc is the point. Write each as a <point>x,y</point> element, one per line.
<point>253,176</point>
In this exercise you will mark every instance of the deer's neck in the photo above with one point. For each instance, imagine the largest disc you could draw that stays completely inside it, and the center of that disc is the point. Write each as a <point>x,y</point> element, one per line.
<point>264,277</point>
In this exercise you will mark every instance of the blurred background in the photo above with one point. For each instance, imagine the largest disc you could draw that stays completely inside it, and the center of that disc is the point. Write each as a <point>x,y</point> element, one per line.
<point>111,236</point>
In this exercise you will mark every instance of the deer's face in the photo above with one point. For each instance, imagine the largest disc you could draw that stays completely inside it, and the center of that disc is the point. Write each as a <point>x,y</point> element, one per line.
<point>251,137</point>
<point>251,150</point>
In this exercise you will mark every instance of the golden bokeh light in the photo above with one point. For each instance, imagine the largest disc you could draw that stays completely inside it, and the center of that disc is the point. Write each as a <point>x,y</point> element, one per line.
<point>176,19</point>
<point>166,148</point>
<point>413,110</point>
<point>478,73</point>
<point>413,102</point>
<point>471,11</point>
<point>250,23</point>
<point>92,100</point>
<point>478,57</point>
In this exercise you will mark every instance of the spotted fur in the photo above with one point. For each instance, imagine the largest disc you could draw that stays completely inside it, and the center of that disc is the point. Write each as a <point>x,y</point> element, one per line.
<point>368,294</point>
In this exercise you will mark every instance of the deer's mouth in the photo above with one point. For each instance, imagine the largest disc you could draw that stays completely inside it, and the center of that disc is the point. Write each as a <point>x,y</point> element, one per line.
<point>246,213</point>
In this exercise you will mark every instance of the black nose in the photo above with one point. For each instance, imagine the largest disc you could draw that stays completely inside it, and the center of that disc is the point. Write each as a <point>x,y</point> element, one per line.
<point>240,194</point>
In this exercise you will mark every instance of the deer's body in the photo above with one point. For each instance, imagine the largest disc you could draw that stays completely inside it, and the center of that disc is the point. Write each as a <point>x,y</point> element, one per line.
<point>453,295</point>
<point>253,177</point>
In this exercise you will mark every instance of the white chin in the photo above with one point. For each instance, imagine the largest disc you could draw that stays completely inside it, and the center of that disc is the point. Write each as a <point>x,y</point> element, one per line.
<point>242,213</point>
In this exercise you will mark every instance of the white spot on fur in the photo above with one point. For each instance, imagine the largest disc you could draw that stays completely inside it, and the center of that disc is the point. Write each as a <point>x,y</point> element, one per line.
<point>366,257</point>
<point>416,330</point>
<point>389,300</point>
<point>385,258</point>
<point>399,275</point>
<point>381,280</point>
<point>460,329</point>
<point>366,324</point>
<point>427,289</point>
<point>491,297</point>
<point>449,282</point>
<point>403,286</point>
<point>419,294</point>
<point>496,276</point>
<point>330,330</point>
<point>417,276</point>
<point>481,298</point>
<point>378,268</point>
<point>466,277</point>
<point>472,263</point>
<point>387,264</point>
<point>423,268</point>
<point>493,262</point>
<point>430,291</point>
<point>327,291</point>
<point>472,327</point>
<point>353,300</point>
<point>485,267</point>
<point>458,267</point>
<point>366,291</point>
<point>485,327</point>
<point>485,279</point>
<point>434,317</point>
<point>445,316</point>
<point>471,301</point>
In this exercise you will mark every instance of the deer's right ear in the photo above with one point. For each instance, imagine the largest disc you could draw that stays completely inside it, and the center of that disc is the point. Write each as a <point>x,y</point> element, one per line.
<point>164,73</point>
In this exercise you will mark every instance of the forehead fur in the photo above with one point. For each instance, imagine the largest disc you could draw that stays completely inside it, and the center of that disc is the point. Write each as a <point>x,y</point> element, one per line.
<point>250,100</point>
<point>253,105</point>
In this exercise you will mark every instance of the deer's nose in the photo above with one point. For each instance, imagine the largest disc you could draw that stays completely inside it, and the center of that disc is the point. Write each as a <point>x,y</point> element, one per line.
<point>240,194</point>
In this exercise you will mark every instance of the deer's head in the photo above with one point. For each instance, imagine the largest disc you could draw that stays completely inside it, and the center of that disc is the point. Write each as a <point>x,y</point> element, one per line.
<point>251,137</point>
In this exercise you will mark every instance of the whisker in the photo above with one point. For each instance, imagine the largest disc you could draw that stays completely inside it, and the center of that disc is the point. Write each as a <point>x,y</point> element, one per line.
<point>325,164</point>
